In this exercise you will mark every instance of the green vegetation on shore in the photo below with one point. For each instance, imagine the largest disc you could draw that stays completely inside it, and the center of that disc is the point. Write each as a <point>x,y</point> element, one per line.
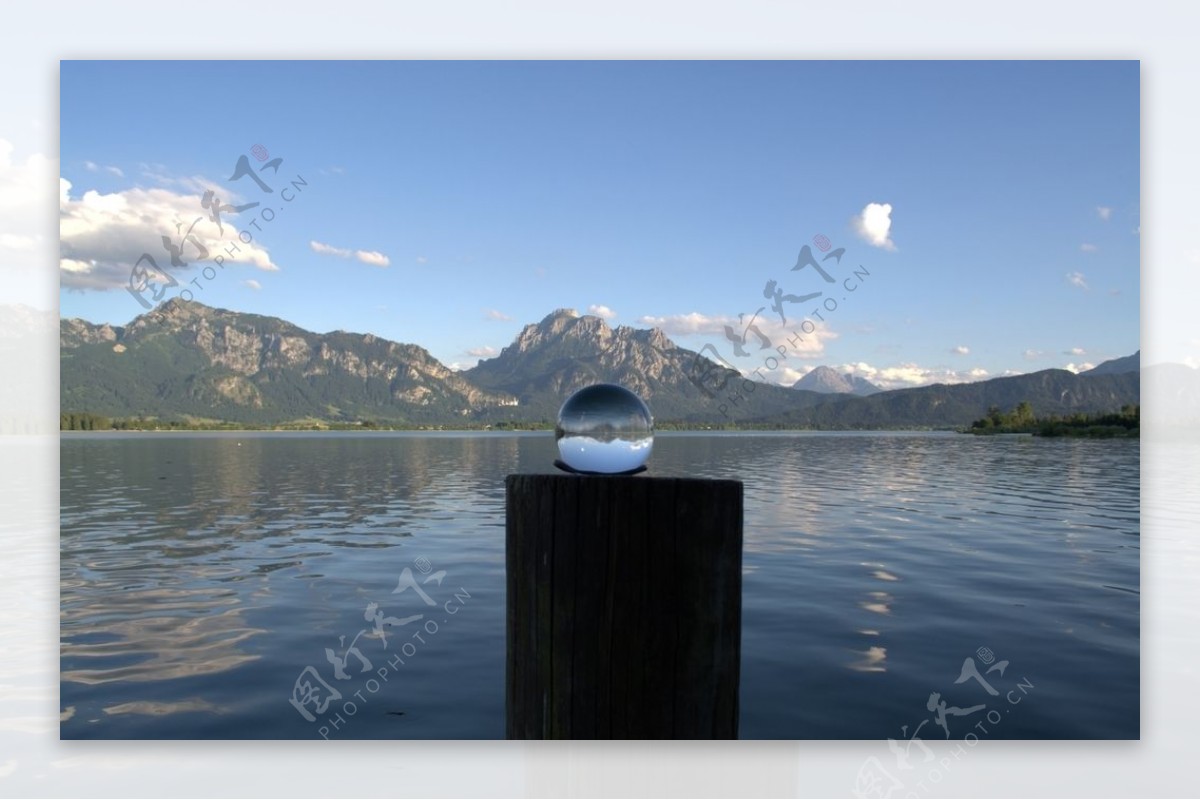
<point>85,421</point>
<point>1122,424</point>
<point>1125,423</point>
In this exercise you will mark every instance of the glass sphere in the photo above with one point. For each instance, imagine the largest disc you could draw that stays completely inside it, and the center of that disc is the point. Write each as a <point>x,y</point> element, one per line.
<point>604,428</point>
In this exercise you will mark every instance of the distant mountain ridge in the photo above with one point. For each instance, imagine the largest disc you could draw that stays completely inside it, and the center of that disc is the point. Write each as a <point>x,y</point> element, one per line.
<point>1116,366</point>
<point>191,362</point>
<point>1050,391</point>
<point>827,380</point>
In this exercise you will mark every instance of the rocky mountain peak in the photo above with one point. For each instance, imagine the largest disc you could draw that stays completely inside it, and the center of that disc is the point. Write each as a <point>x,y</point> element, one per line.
<point>655,337</point>
<point>565,352</point>
<point>174,315</point>
<point>563,324</point>
<point>75,332</point>
<point>179,310</point>
<point>827,380</point>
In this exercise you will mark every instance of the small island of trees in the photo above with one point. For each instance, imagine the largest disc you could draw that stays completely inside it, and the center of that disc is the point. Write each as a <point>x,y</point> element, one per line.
<point>1124,423</point>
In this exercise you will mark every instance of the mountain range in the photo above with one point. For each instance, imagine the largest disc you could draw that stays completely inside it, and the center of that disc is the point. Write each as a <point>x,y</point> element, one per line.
<point>189,362</point>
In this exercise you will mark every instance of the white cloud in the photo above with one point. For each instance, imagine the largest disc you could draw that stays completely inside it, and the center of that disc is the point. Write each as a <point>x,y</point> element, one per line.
<point>687,324</point>
<point>15,241</point>
<point>195,184</point>
<point>115,171</point>
<point>1088,248</point>
<point>422,260</point>
<point>1077,280</point>
<point>328,250</point>
<point>103,236</point>
<point>499,316</point>
<point>253,284</point>
<point>789,375</point>
<point>26,190</point>
<point>1077,368</point>
<point>799,343</point>
<point>874,225</point>
<point>91,166</point>
<point>910,374</point>
<point>372,257</point>
<point>1104,212</point>
<point>482,352</point>
<point>1074,351</point>
<point>1032,355</point>
<point>604,312</point>
<point>961,350</point>
<point>74,265</point>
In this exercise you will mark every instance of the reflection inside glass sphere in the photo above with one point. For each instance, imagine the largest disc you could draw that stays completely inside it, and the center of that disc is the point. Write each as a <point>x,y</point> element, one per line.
<point>604,428</point>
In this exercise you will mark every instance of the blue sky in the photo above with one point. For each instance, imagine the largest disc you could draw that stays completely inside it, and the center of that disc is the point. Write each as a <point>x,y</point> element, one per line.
<point>450,203</point>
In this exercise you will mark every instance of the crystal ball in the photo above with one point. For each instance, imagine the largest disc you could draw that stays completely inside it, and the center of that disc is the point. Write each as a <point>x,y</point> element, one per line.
<point>604,428</point>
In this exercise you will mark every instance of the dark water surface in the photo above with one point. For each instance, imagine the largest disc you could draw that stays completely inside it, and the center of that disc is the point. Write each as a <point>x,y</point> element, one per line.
<point>203,574</point>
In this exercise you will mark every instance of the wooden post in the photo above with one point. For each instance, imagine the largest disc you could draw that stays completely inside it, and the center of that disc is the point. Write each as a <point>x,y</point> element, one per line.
<point>624,607</point>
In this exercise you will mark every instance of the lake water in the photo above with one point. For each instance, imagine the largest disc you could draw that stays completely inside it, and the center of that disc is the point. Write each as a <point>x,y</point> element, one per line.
<point>203,575</point>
